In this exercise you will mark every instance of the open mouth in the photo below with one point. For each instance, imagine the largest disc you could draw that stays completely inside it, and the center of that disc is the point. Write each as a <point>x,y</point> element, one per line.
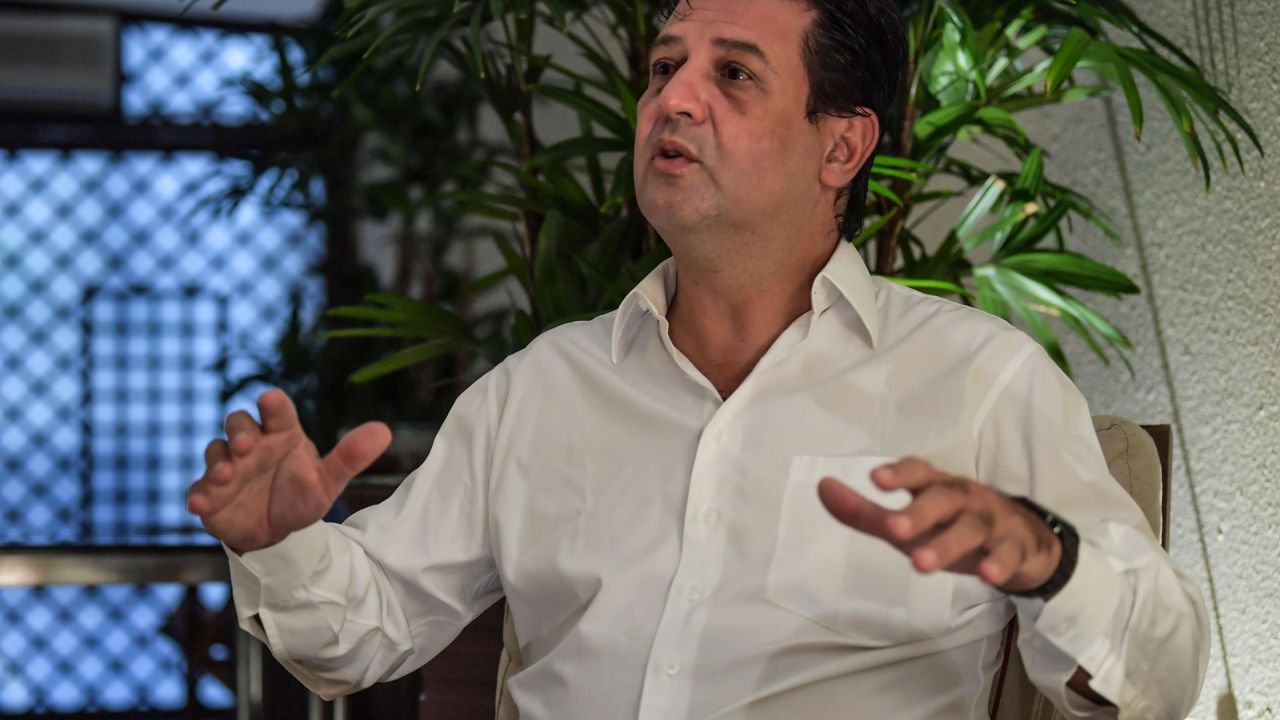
<point>672,156</point>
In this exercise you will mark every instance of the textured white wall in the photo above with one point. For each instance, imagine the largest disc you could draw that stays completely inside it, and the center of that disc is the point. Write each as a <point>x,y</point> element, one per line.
<point>1207,330</point>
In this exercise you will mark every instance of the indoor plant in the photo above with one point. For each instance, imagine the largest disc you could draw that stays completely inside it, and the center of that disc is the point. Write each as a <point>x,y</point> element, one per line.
<point>572,240</point>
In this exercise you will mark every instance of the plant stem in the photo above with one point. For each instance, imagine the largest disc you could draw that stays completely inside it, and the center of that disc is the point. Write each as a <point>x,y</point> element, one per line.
<point>891,235</point>
<point>404,261</point>
<point>528,146</point>
<point>887,242</point>
<point>638,76</point>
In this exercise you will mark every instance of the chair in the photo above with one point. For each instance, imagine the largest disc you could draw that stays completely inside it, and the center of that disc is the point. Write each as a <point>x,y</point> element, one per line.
<point>1138,458</point>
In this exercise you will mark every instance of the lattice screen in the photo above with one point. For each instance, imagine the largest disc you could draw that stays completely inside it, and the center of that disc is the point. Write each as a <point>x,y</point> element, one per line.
<point>118,291</point>
<point>194,75</point>
<point>106,258</point>
<point>72,649</point>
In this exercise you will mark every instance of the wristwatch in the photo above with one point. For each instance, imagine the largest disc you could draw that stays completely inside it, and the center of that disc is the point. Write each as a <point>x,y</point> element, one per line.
<point>1070,551</point>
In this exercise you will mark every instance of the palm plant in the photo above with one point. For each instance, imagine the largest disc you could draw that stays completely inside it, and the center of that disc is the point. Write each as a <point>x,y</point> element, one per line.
<point>563,216</point>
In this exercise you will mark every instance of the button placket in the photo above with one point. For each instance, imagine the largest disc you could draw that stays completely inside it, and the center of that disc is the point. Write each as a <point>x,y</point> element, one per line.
<point>676,628</point>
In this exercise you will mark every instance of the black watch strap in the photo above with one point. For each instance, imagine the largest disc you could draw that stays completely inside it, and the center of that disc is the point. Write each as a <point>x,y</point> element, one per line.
<point>1070,551</point>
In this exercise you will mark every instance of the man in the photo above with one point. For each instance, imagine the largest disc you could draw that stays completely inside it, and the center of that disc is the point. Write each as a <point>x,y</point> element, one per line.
<point>767,486</point>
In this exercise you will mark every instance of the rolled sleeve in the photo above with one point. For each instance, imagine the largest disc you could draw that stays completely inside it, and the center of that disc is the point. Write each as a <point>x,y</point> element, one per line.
<point>1080,617</point>
<point>1128,616</point>
<point>346,606</point>
<point>274,573</point>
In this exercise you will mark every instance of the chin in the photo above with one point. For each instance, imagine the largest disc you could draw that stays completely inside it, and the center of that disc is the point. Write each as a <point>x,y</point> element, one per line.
<point>671,213</point>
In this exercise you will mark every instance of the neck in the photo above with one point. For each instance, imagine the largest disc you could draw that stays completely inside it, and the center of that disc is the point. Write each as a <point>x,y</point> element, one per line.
<point>726,315</point>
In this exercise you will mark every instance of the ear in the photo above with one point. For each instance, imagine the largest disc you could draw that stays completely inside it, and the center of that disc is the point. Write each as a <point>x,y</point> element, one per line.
<point>849,142</point>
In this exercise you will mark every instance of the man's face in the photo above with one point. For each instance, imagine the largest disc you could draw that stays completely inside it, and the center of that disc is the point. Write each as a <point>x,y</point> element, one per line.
<point>722,142</point>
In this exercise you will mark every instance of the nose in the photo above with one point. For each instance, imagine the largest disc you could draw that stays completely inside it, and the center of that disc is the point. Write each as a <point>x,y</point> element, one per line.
<point>682,96</point>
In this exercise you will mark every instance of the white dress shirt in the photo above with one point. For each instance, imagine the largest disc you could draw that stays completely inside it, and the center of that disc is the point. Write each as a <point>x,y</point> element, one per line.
<point>665,555</point>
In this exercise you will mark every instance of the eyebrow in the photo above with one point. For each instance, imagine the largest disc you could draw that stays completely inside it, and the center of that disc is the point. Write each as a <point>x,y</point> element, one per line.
<point>667,40</point>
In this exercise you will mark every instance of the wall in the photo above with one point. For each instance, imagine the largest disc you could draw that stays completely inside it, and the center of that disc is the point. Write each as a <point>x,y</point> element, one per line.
<point>1207,329</point>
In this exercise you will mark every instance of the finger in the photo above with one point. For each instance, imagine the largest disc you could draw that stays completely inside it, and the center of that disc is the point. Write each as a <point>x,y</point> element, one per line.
<point>1002,562</point>
<point>268,454</point>
<point>215,452</point>
<point>356,451</point>
<point>242,431</point>
<point>854,510</point>
<point>212,488</point>
<point>909,473</point>
<point>197,502</point>
<point>968,533</point>
<point>935,506</point>
<point>277,411</point>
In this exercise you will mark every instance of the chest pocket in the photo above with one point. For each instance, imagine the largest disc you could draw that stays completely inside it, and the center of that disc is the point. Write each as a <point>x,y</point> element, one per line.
<point>851,583</point>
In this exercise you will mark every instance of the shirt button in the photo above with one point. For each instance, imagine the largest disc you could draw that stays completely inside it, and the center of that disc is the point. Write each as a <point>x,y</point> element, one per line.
<point>710,516</point>
<point>672,668</point>
<point>694,594</point>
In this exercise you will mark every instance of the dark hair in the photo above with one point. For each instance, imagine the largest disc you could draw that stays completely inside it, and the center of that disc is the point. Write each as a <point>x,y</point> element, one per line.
<point>854,53</point>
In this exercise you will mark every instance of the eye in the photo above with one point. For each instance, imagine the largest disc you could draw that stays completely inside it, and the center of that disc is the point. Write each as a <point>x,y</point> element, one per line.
<point>737,74</point>
<point>663,68</point>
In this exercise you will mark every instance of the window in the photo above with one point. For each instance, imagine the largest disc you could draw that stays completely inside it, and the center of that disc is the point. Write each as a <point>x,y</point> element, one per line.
<point>120,291</point>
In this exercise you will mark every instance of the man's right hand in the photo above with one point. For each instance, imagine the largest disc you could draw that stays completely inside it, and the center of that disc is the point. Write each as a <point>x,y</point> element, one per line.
<point>266,481</point>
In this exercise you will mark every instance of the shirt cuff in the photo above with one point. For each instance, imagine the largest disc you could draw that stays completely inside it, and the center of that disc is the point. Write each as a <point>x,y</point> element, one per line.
<point>274,573</point>
<point>1077,619</point>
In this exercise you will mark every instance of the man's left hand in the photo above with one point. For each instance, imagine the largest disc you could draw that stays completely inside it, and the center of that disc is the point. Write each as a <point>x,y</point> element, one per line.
<point>951,524</point>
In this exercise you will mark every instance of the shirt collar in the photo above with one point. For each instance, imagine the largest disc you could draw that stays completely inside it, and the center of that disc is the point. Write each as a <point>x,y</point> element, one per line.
<point>844,276</point>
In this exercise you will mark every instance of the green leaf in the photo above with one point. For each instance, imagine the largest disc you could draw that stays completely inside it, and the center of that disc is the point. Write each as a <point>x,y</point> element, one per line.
<point>476,198</point>
<point>989,298</point>
<point>1077,316</point>
<point>606,117</point>
<point>897,174</point>
<point>893,161</point>
<point>883,190</point>
<point>433,43</point>
<point>524,330</point>
<point>579,147</point>
<point>943,121</point>
<point>558,287</point>
<point>954,75</point>
<point>402,359</point>
<point>1186,127</point>
<point>516,262</point>
<point>487,282</point>
<point>477,39</point>
<point>1002,124</point>
<point>379,332</point>
<point>1035,232</point>
<point>359,312</point>
<point>933,287</point>
<point>1071,269</point>
<point>874,228</point>
<point>1024,81</point>
<point>1069,52</point>
<point>1031,181</point>
<point>1005,283</point>
<point>979,206</point>
<point>407,312</point>
<point>1123,77</point>
<point>998,231</point>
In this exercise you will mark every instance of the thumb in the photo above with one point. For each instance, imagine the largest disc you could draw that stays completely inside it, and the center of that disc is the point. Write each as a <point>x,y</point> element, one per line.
<point>356,451</point>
